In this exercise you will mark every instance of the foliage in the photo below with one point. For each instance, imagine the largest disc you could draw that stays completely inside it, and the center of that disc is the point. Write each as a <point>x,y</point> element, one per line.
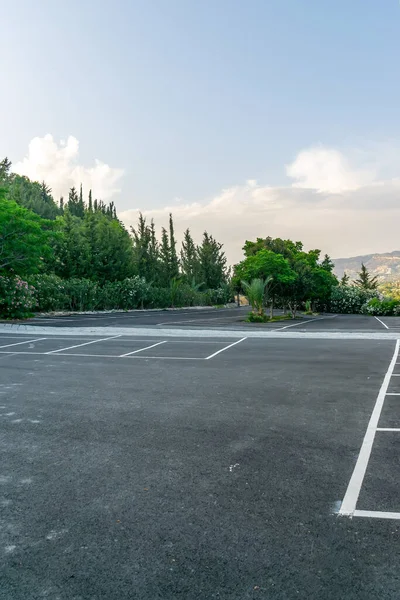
<point>390,289</point>
<point>349,299</point>
<point>24,238</point>
<point>345,279</point>
<point>365,281</point>
<point>256,318</point>
<point>384,307</point>
<point>255,293</point>
<point>17,298</point>
<point>212,263</point>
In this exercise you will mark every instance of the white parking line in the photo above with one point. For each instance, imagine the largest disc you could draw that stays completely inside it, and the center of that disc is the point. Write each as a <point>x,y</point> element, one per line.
<point>84,344</point>
<point>226,348</point>
<point>376,514</point>
<point>141,349</point>
<point>25,342</point>
<point>353,489</point>
<point>384,324</point>
<point>388,429</point>
<point>392,394</point>
<point>303,322</point>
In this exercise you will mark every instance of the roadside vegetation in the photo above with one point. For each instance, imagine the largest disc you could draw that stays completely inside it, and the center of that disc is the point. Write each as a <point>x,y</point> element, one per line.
<point>76,255</point>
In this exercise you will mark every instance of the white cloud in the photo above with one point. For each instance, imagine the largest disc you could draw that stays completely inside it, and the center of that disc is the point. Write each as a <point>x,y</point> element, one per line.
<point>341,209</point>
<point>57,164</point>
<point>327,170</point>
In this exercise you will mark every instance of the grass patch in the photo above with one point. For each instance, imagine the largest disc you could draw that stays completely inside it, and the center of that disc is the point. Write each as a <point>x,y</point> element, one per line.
<point>253,318</point>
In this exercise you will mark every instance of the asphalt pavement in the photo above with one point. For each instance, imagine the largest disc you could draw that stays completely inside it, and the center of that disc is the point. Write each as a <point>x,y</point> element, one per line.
<point>195,469</point>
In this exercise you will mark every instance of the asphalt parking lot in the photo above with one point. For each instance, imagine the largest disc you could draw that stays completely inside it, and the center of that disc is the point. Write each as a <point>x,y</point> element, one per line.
<point>189,467</point>
<point>224,318</point>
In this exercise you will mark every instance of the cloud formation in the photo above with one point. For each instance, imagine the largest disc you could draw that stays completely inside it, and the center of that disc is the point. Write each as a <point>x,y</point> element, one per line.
<point>57,165</point>
<point>332,204</point>
<point>345,203</point>
<point>327,170</point>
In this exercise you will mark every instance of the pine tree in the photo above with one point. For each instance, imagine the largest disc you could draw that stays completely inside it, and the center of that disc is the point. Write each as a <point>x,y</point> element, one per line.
<point>73,202</point>
<point>189,259</point>
<point>212,259</point>
<point>327,263</point>
<point>345,279</point>
<point>5,167</point>
<point>81,205</point>
<point>365,281</point>
<point>62,205</point>
<point>90,203</point>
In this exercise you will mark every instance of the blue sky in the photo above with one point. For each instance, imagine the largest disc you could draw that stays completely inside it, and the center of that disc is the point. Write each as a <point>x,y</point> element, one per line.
<point>190,98</point>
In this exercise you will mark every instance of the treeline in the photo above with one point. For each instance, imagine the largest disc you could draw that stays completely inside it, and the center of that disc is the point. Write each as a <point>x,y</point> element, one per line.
<point>82,239</point>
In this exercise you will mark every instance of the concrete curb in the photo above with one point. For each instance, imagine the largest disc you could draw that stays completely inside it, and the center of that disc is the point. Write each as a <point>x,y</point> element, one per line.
<point>199,333</point>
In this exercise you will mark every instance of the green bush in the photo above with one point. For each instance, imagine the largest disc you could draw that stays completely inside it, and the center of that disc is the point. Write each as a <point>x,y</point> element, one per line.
<point>17,298</point>
<point>384,307</point>
<point>254,318</point>
<point>350,299</point>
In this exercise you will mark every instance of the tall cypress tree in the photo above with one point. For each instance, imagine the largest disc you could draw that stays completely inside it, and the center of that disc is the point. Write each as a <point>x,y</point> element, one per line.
<point>62,205</point>
<point>173,257</point>
<point>90,203</point>
<point>189,259</point>
<point>73,202</point>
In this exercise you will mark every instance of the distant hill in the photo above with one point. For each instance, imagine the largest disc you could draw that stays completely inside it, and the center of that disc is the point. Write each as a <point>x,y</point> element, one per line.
<point>386,266</point>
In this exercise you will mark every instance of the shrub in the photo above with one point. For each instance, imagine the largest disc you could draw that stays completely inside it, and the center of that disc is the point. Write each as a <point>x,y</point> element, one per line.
<point>17,298</point>
<point>256,318</point>
<point>50,293</point>
<point>385,307</point>
<point>350,299</point>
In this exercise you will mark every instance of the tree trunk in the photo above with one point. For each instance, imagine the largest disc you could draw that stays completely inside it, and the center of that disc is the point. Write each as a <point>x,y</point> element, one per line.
<point>271,309</point>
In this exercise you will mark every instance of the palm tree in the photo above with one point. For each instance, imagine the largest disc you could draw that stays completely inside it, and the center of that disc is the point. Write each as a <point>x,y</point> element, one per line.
<point>255,292</point>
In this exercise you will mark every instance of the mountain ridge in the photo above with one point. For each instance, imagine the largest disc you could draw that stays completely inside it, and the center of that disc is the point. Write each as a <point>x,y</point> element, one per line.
<point>385,266</point>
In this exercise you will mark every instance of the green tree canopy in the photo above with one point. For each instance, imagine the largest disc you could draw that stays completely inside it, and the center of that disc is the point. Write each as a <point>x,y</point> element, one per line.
<point>24,238</point>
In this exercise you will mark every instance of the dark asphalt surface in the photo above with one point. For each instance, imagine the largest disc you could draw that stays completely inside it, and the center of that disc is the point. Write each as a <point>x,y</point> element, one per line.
<point>165,479</point>
<point>230,318</point>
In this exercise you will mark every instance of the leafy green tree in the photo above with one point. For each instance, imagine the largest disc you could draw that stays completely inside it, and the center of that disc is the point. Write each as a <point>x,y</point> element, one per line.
<point>365,281</point>
<point>73,203</point>
<point>32,195</point>
<point>81,204</point>
<point>24,238</point>
<point>5,166</point>
<point>212,263</point>
<point>165,259</point>
<point>90,203</point>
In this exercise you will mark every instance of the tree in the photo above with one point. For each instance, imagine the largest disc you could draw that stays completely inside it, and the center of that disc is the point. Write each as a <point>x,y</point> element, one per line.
<point>345,279</point>
<point>90,203</point>
<point>5,166</point>
<point>174,262</point>
<point>81,204</point>
<point>189,259</point>
<point>268,266</point>
<point>73,203</point>
<point>164,258</point>
<point>255,293</point>
<point>24,238</point>
<point>212,262</point>
<point>327,264</point>
<point>32,195</point>
<point>365,281</point>
<point>145,250</point>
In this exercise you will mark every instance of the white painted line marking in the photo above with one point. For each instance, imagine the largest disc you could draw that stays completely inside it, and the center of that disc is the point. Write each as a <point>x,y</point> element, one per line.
<point>376,514</point>
<point>84,344</point>
<point>384,324</point>
<point>25,342</point>
<point>303,322</point>
<point>392,394</point>
<point>100,355</point>
<point>226,348</point>
<point>388,429</point>
<point>353,489</point>
<point>141,349</point>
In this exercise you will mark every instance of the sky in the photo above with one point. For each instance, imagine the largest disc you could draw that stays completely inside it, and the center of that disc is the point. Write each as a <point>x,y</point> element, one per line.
<point>248,119</point>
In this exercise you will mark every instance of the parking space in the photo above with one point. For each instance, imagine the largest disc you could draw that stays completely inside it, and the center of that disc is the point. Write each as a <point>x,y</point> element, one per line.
<point>211,468</point>
<point>118,346</point>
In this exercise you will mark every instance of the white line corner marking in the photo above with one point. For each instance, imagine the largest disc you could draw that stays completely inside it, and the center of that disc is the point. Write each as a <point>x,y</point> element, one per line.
<point>353,489</point>
<point>384,324</point>
<point>141,349</point>
<point>226,348</point>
